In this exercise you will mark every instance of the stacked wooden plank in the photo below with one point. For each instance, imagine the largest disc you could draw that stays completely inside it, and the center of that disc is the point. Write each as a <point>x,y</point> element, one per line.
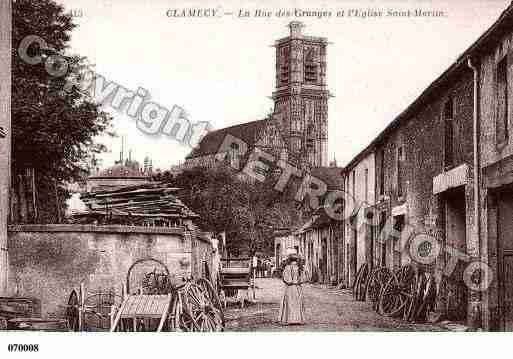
<point>155,200</point>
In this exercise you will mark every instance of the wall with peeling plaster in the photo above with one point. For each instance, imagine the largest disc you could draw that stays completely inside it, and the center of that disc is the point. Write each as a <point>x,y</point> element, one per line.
<point>49,261</point>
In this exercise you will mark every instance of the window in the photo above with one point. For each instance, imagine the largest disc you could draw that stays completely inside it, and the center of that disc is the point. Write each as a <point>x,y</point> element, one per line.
<point>366,184</point>
<point>399,225</point>
<point>310,134</point>
<point>284,69</point>
<point>354,184</point>
<point>501,120</point>
<point>400,159</point>
<point>310,67</point>
<point>382,174</point>
<point>448,116</point>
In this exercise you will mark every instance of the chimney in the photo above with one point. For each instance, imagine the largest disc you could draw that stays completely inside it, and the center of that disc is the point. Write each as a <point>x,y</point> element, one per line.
<point>295,29</point>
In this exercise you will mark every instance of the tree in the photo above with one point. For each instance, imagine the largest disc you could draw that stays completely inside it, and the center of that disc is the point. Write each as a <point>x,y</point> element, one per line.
<point>248,211</point>
<point>53,130</point>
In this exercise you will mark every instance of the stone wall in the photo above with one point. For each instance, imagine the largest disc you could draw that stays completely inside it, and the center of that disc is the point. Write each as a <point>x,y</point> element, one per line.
<point>49,261</point>
<point>360,184</point>
<point>497,177</point>
<point>444,211</point>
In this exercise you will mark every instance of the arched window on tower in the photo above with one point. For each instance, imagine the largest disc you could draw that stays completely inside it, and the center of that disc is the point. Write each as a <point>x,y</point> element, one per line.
<point>284,65</point>
<point>310,144</point>
<point>310,67</point>
<point>310,136</point>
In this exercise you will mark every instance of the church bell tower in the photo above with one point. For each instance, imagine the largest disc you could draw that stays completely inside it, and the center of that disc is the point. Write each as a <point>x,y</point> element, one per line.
<point>301,98</point>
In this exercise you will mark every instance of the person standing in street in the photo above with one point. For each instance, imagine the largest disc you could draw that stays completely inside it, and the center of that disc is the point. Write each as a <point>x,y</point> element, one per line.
<point>292,308</point>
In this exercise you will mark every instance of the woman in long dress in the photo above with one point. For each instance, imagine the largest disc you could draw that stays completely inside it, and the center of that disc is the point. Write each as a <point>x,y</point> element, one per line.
<point>292,308</point>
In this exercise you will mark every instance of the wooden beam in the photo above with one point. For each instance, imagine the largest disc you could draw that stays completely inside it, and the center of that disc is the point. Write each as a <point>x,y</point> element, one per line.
<point>5,140</point>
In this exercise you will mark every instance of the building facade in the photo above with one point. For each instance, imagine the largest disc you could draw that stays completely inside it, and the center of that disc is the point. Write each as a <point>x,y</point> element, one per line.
<point>122,174</point>
<point>321,238</point>
<point>360,196</point>
<point>493,57</point>
<point>284,240</point>
<point>297,129</point>
<point>425,185</point>
<point>444,168</point>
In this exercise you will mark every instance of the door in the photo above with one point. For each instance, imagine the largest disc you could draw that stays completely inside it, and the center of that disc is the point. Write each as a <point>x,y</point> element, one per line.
<point>353,252</point>
<point>505,234</point>
<point>507,291</point>
<point>399,222</point>
<point>382,241</point>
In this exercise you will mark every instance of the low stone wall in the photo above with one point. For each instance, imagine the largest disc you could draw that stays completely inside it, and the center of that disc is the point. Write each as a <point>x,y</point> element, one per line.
<point>49,261</point>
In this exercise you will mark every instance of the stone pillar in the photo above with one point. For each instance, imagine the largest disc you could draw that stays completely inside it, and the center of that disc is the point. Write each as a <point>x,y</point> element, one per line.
<point>5,135</point>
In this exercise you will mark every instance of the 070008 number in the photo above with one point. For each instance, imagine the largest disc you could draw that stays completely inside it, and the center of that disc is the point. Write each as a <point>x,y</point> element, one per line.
<point>23,347</point>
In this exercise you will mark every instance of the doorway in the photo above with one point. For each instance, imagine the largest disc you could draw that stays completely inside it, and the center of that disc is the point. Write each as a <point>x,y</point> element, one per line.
<point>505,260</point>
<point>456,238</point>
<point>399,223</point>
<point>381,240</point>
<point>352,251</point>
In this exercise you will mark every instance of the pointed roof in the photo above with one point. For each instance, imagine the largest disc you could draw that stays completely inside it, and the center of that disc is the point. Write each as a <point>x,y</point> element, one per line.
<point>212,141</point>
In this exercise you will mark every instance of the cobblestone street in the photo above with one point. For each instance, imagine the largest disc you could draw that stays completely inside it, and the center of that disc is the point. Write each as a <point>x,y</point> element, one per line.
<point>327,309</point>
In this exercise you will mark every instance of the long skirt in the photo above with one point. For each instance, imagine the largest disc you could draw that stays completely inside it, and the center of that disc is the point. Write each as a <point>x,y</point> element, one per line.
<point>292,308</point>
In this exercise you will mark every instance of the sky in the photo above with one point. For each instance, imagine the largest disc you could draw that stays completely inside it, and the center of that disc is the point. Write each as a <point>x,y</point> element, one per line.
<point>222,70</point>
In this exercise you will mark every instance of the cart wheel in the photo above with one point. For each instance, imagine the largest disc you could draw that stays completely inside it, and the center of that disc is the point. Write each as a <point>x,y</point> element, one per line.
<point>201,310</point>
<point>213,297</point>
<point>389,300</point>
<point>360,284</point>
<point>398,292</point>
<point>427,298</point>
<point>377,280</point>
<point>223,298</point>
<point>72,312</point>
<point>181,319</point>
<point>417,287</point>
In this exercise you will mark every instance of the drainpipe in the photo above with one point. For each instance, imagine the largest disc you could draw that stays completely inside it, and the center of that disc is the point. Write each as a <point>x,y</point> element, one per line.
<point>475,310</point>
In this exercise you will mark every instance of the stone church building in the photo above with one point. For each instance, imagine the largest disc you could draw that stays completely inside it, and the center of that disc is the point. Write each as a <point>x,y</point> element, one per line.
<point>297,130</point>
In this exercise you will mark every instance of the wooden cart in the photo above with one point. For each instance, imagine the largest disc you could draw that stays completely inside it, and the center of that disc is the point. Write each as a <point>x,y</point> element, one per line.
<point>159,305</point>
<point>236,279</point>
<point>139,310</point>
<point>92,311</point>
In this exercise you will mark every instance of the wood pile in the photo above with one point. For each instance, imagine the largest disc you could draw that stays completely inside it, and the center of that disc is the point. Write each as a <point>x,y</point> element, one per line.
<point>156,201</point>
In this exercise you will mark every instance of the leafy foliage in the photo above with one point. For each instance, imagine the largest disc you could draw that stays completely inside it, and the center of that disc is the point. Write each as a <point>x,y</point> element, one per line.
<point>53,130</point>
<point>248,211</point>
